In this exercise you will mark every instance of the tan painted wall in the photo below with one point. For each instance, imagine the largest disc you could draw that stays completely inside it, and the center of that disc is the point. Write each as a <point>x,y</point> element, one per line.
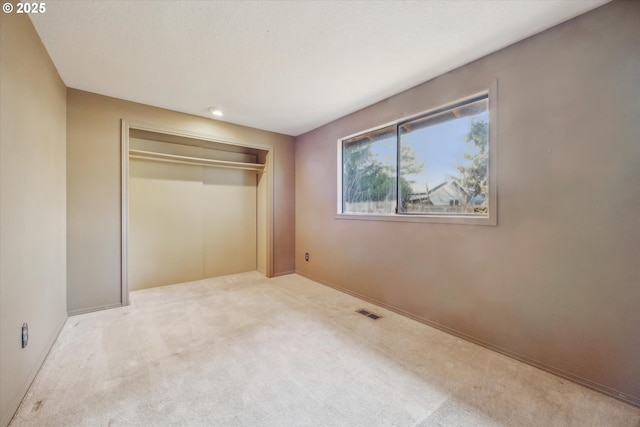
<point>557,281</point>
<point>93,188</point>
<point>32,206</point>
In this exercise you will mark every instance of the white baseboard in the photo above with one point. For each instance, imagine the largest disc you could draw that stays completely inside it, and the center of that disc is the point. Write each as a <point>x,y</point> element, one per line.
<point>284,273</point>
<point>91,309</point>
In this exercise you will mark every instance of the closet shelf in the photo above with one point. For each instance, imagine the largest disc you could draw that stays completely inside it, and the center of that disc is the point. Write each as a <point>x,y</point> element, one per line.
<point>174,158</point>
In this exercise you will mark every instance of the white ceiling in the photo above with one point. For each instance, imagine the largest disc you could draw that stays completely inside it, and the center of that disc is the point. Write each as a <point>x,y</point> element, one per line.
<point>284,66</point>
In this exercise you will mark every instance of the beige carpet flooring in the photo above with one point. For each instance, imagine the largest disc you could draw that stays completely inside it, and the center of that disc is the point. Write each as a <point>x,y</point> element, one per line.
<point>243,350</point>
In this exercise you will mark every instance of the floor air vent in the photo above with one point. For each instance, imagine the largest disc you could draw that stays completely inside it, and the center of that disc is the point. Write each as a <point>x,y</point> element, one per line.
<point>368,314</point>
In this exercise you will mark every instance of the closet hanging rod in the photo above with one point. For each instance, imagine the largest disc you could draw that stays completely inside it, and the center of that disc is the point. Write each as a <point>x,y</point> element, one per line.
<point>174,158</point>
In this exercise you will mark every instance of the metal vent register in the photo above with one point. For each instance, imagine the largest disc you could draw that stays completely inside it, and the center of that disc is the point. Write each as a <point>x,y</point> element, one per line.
<point>368,314</point>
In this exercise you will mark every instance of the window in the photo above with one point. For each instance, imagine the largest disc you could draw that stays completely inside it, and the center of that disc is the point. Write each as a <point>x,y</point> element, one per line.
<point>369,172</point>
<point>435,165</point>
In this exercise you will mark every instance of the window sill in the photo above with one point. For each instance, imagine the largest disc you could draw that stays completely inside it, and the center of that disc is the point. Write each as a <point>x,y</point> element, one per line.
<point>433,219</point>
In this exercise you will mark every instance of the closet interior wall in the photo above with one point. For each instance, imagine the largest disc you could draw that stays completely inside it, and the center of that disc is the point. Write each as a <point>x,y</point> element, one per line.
<point>193,209</point>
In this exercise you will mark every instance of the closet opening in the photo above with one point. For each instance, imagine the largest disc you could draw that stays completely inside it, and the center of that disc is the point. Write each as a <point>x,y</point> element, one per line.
<point>192,207</point>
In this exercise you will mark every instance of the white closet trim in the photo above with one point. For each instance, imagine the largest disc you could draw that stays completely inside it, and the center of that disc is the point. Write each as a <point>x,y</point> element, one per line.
<point>173,158</point>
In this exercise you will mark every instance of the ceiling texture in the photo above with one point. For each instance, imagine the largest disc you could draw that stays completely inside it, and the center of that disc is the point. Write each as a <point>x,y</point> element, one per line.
<point>283,66</point>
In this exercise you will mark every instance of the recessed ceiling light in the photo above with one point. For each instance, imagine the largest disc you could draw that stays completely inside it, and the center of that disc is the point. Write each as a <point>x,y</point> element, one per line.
<point>216,111</point>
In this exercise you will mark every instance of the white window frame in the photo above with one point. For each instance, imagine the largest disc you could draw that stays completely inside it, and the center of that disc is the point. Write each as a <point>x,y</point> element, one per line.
<point>490,219</point>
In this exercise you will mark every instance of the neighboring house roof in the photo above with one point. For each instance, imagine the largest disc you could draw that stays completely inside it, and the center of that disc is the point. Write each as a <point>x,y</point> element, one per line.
<point>442,194</point>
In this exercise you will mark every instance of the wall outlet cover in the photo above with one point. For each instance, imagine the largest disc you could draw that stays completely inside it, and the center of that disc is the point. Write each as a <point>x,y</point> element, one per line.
<point>25,335</point>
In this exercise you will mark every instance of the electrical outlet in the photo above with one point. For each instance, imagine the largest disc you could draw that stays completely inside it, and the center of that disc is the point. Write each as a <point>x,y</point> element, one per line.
<point>306,256</point>
<point>25,335</point>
